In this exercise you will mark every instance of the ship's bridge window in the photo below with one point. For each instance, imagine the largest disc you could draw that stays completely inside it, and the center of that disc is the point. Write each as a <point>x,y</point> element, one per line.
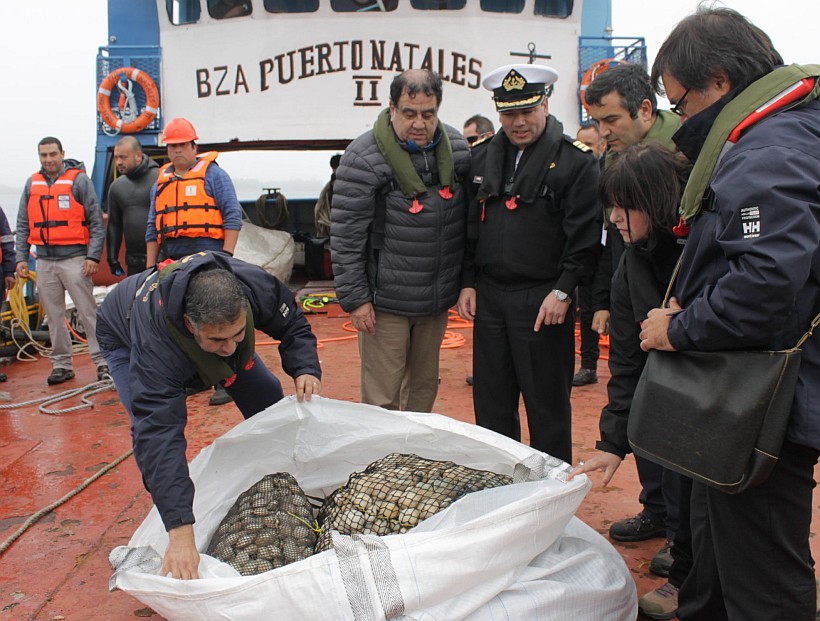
<point>438,5</point>
<point>502,6</point>
<point>182,11</point>
<point>548,8</point>
<point>350,6</point>
<point>291,6</point>
<point>225,9</point>
<point>554,8</point>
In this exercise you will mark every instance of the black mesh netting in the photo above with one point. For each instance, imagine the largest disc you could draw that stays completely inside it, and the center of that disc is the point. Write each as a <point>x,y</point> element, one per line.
<point>269,525</point>
<point>397,492</point>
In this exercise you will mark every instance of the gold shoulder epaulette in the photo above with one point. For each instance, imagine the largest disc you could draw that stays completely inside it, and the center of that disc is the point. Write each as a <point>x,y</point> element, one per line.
<point>580,145</point>
<point>481,141</point>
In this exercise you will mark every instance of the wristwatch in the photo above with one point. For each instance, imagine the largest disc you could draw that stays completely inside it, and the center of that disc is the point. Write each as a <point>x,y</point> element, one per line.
<point>561,296</point>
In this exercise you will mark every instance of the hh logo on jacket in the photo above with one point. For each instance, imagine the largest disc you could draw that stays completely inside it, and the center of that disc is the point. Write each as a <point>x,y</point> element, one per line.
<point>750,218</point>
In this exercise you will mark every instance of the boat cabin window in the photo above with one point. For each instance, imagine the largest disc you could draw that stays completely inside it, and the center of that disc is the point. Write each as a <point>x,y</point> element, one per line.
<point>225,9</point>
<point>553,8</point>
<point>502,6</point>
<point>349,6</point>
<point>548,8</point>
<point>182,11</point>
<point>438,5</point>
<point>291,6</point>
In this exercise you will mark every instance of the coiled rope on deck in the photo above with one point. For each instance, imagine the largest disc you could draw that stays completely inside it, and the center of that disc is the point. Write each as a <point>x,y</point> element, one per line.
<point>83,392</point>
<point>21,314</point>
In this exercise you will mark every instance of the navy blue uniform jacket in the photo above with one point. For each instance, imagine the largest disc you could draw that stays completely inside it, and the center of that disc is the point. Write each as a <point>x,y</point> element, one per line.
<point>750,276</point>
<point>131,317</point>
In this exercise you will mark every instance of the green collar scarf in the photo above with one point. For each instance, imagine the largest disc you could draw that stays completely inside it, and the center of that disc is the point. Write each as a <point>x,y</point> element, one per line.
<point>213,368</point>
<point>735,112</point>
<point>529,180</point>
<point>665,125</point>
<point>399,159</point>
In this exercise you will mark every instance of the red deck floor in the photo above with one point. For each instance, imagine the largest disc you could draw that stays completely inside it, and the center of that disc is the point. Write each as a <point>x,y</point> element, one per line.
<point>58,569</point>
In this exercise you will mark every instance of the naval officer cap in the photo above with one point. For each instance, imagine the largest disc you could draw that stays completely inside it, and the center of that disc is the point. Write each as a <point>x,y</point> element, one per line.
<point>520,85</point>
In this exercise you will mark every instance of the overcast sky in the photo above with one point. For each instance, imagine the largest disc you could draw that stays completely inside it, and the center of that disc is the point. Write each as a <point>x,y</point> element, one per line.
<point>47,66</point>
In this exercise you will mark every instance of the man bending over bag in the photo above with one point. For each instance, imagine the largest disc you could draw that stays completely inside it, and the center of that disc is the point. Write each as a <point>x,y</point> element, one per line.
<point>191,325</point>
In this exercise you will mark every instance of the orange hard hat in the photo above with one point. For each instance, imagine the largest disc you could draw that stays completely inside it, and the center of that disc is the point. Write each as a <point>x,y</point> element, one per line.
<point>179,130</point>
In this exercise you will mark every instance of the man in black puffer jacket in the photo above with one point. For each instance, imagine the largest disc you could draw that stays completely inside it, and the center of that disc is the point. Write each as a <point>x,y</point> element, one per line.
<point>397,238</point>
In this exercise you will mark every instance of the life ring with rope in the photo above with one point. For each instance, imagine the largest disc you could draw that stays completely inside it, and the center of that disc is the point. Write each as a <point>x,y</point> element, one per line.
<point>122,78</point>
<point>594,70</point>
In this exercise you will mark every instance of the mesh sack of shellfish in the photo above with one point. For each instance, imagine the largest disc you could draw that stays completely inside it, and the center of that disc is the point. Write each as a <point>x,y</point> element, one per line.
<point>269,525</point>
<point>395,493</point>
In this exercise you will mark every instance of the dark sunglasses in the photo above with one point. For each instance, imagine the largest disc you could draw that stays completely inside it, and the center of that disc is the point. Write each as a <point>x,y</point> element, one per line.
<point>677,108</point>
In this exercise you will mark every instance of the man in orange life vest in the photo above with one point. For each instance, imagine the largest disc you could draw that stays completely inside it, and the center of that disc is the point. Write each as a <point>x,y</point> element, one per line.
<point>60,214</point>
<point>193,206</point>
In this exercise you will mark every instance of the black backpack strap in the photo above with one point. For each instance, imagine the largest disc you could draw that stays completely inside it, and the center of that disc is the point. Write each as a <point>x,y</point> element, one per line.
<point>430,179</point>
<point>709,201</point>
<point>380,213</point>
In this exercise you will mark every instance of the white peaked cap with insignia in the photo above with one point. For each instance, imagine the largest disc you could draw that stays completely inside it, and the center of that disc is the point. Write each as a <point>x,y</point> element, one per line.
<point>519,85</point>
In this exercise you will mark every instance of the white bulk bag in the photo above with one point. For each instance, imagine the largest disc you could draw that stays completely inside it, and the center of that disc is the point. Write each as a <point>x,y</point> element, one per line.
<point>493,550</point>
<point>271,250</point>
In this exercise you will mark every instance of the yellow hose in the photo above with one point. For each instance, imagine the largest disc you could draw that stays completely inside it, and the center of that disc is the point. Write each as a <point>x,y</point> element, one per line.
<point>19,309</point>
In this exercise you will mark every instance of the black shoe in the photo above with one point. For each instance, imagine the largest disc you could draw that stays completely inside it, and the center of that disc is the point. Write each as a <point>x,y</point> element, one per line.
<point>220,397</point>
<point>662,561</point>
<point>58,376</point>
<point>470,380</point>
<point>638,528</point>
<point>103,372</point>
<point>3,377</point>
<point>584,377</point>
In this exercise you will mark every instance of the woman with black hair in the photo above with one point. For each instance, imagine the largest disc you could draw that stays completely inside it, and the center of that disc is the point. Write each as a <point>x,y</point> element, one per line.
<point>642,186</point>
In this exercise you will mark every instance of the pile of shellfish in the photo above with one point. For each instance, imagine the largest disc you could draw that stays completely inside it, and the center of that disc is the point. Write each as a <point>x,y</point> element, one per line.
<point>272,523</point>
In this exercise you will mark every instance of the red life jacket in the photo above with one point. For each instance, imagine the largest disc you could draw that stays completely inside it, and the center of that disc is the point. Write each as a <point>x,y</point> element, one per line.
<point>55,217</point>
<point>183,207</point>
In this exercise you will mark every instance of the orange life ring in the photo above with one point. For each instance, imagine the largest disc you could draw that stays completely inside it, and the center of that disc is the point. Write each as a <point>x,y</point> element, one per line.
<point>151,100</point>
<point>594,70</point>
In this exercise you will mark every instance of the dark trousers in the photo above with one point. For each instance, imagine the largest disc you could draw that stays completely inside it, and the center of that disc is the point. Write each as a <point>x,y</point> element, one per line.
<point>752,560</point>
<point>134,263</point>
<point>510,359</point>
<point>660,493</point>
<point>682,548</point>
<point>254,389</point>
<point>590,350</point>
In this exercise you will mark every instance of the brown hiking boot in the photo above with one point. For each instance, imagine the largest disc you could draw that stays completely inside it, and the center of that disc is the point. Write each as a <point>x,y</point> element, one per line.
<point>662,603</point>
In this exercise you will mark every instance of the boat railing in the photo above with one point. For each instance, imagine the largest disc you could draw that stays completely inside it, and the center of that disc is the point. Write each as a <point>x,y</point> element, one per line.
<point>146,58</point>
<point>594,51</point>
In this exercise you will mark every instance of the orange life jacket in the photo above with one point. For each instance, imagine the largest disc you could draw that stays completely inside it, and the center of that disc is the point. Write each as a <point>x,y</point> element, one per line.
<point>183,207</point>
<point>55,217</point>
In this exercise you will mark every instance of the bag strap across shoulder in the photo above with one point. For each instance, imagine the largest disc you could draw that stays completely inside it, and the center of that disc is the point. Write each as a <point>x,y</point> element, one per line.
<point>809,333</point>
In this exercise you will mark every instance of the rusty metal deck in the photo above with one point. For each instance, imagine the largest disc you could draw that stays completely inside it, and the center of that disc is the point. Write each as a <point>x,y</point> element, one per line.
<point>58,569</point>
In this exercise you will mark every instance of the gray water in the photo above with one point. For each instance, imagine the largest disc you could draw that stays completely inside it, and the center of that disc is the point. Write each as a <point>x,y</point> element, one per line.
<point>9,201</point>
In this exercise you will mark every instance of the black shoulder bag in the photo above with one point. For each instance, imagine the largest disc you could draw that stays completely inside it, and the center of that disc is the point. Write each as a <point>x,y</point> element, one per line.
<point>718,417</point>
